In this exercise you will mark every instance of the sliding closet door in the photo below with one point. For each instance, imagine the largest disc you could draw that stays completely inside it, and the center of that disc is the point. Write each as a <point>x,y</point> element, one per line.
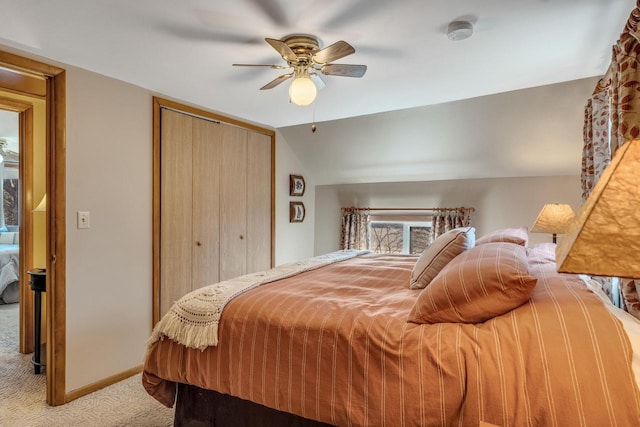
<point>258,201</point>
<point>207,161</point>
<point>215,190</point>
<point>175,207</point>
<point>233,197</point>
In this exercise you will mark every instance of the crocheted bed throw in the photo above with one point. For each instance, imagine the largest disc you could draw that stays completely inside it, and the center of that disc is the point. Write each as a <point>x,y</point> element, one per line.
<point>193,320</point>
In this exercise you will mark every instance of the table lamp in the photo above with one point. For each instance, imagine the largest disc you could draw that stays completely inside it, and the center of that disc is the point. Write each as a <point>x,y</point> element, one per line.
<point>605,238</point>
<point>555,219</point>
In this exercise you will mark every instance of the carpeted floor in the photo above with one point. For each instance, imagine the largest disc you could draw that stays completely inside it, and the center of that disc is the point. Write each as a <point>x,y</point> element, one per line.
<point>23,400</point>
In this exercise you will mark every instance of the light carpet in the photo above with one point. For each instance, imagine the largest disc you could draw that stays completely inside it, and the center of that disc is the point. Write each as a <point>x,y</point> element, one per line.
<point>23,394</point>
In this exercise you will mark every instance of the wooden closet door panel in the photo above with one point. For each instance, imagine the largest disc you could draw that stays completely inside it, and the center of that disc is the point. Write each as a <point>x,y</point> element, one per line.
<point>258,202</point>
<point>175,207</point>
<point>207,151</point>
<point>233,199</point>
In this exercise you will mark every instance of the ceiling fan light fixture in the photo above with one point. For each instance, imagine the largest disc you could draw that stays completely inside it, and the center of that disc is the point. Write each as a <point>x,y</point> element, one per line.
<point>302,91</point>
<point>303,55</point>
<point>459,30</point>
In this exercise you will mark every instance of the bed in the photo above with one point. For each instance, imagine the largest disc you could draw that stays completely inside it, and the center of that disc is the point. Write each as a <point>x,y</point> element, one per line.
<point>472,332</point>
<point>9,273</point>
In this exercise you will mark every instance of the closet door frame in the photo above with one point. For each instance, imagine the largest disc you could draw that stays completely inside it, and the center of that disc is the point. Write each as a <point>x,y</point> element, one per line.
<point>158,105</point>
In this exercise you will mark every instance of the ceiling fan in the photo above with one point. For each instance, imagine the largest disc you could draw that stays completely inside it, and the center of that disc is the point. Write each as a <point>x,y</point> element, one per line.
<point>303,55</point>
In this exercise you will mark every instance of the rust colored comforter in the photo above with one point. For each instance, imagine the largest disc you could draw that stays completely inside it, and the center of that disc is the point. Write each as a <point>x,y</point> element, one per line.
<point>334,345</point>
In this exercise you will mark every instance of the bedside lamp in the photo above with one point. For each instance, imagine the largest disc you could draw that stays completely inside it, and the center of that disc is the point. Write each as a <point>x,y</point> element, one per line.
<point>605,238</point>
<point>554,219</point>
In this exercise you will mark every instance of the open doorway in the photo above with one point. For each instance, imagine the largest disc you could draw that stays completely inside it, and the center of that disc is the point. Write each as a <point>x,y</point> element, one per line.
<point>9,210</point>
<point>18,371</point>
<point>22,231</point>
<point>36,91</point>
<point>9,236</point>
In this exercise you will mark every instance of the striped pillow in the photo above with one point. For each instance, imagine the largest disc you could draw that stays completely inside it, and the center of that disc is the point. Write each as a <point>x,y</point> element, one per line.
<point>438,254</point>
<point>517,235</point>
<point>479,284</point>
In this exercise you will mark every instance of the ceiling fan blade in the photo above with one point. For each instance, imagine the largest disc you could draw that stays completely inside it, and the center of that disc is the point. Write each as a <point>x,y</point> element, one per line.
<point>338,50</point>
<point>275,82</point>
<point>275,67</point>
<point>282,48</point>
<point>344,70</point>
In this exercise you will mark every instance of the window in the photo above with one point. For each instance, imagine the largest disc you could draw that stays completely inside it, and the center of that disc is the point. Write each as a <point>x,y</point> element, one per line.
<point>400,236</point>
<point>11,192</point>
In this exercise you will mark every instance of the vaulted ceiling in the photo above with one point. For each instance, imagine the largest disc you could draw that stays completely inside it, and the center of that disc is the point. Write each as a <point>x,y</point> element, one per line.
<point>184,49</point>
<point>405,121</point>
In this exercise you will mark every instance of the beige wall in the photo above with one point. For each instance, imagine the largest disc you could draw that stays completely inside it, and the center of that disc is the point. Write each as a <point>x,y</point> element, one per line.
<point>109,174</point>
<point>499,202</point>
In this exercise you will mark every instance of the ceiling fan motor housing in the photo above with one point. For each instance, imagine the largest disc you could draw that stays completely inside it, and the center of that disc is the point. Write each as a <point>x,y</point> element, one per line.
<point>304,46</point>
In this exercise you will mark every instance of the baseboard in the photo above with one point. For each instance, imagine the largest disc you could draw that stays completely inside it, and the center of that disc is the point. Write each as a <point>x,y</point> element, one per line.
<point>83,391</point>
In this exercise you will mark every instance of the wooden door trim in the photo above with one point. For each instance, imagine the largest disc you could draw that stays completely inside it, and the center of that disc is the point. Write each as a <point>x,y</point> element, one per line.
<point>55,98</point>
<point>158,104</point>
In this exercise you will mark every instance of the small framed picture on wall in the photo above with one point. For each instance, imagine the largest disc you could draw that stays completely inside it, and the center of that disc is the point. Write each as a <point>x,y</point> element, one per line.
<point>296,185</point>
<point>296,211</point>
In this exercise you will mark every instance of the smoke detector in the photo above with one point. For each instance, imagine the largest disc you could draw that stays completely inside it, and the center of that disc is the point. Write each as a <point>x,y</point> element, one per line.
<point>459,30</point>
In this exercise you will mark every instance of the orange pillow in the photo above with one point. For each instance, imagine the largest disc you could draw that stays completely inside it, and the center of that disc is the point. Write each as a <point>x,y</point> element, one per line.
<point>517,235</point>
<point>438,254</point>
<point>479,284</point>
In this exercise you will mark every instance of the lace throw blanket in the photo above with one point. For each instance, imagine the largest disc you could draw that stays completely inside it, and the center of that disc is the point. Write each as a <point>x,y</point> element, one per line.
<point>193,320</point>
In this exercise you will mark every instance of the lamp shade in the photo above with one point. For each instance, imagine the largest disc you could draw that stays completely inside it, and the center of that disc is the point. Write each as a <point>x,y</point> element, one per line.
<point>553,218</point>
<point>605,238</point>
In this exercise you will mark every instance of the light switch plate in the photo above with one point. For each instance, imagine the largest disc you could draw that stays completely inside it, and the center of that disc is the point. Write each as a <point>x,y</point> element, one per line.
<point>83,219</point>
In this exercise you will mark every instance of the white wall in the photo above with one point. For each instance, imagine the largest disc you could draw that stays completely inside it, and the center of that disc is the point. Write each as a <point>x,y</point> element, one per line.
<point>529,132</point>
<point>499,202</point>
<point>294,241</point>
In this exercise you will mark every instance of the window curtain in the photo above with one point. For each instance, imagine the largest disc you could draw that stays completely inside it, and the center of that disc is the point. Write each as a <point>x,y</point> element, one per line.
<point>612,117</point>
<point>596,152</point>
<point>355,230</point>
<point>3,226</point>
<point>445,220</point>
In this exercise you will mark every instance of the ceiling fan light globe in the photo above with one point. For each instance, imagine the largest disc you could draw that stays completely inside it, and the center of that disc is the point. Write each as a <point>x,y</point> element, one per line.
<point>302,91</point>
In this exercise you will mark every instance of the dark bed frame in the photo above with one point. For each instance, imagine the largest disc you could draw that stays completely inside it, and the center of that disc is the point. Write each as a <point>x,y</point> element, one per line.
<point>197,407</point>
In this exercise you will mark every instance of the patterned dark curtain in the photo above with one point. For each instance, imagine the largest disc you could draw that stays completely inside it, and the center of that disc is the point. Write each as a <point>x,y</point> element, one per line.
<point>355,230</point>
<point>3,226</point>
<point>445,220</point>
<point>612,117</point>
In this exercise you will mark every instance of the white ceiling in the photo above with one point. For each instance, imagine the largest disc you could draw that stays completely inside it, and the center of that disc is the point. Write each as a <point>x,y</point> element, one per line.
<point>184,49</point>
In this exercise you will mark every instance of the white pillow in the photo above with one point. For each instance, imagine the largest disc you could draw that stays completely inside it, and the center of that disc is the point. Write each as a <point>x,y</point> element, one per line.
<point>438,254</point>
